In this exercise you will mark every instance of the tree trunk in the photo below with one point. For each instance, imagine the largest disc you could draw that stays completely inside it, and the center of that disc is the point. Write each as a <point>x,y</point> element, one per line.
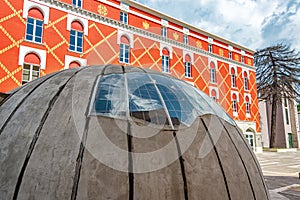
<point>273,121</point>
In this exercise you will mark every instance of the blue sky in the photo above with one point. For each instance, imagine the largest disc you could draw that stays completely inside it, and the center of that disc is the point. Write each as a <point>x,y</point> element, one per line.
<point>252,23</point>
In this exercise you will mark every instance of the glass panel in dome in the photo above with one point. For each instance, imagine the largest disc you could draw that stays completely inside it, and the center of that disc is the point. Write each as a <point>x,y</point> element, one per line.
<point>179,107</point>
<point>144,100</point>
<point>110,96</point>
<point>198,102</point>
<point>218,110</point>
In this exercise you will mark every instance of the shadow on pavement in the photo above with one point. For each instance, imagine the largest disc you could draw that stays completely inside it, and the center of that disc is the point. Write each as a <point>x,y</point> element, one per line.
<point>286,186</point>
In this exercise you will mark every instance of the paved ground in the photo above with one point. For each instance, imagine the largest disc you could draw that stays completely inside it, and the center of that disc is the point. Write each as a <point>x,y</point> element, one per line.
<point>281,172</point>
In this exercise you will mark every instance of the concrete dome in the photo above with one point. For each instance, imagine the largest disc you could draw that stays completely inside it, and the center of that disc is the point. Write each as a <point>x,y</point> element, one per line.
<point>113,132</point>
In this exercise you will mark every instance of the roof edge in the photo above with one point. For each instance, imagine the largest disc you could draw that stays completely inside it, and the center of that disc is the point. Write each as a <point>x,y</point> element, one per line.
<point>184,24</point>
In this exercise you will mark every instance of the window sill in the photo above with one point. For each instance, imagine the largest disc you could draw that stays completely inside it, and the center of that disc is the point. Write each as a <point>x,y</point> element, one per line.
<point>235,114</point>
<point>78,52</point>
<point>38,43</point>
<point>189,77</point>
<point>248,115</point>
<point>166,72</point>
<point>126,63</point>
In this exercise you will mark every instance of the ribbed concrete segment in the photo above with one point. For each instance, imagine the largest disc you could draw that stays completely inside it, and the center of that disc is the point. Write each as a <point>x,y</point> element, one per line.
<point>52,147</point>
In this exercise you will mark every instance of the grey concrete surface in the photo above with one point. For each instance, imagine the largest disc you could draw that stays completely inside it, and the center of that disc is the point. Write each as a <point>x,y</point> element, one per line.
<point>51,147</point>
<point>281,173</point>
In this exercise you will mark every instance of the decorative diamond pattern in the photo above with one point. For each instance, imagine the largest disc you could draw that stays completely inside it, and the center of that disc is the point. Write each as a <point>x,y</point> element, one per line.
<point>100,47</point>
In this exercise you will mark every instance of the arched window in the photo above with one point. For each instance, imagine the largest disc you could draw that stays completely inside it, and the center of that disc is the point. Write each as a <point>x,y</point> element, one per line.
<point>213,72</point>
<point>213,94</point>
<point>247,104</point>
<point>246,81</point>
<point>234,103</point>
<point>233,77</point>
<point>124,49</point>
<point>188,66</point>
<point>165,60</point>
<point>76,37</point>
<point>34,25</point>
<point>74,64</point>
<point>31,68</point>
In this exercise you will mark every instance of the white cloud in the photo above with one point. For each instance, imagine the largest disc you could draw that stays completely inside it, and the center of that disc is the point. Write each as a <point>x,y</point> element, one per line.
<point>252,23</point>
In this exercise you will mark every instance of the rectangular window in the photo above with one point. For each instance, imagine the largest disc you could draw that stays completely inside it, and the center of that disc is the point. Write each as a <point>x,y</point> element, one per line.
<point>230,55</point>
<point>287,116</point>
<point>186,39</point>
<point>247,107</point>
<point>124,17</point>
<point>124,53</point>
<point>165,63</point>
<point>243,59</point>
<point>210,48</point>
<point>77,3</point>
<point>188,69</point>
<point>233,80</point>
<point>76,41</point>
<point>285,102</point>
<point>30,72</point>
<point>246,83</point>
<point>164,31</point>
<point>34,30</point>
<point>234,106</point>
<point>213,75</point>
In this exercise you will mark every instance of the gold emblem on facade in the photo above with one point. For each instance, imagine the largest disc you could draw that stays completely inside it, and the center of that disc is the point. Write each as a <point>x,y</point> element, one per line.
<point>199,44</point>
<point>176,36</point>
<point>146,25</point>
<point>249,61</point>
<point>236,57</point>
<point>102,10</point>
<point>221,52</point>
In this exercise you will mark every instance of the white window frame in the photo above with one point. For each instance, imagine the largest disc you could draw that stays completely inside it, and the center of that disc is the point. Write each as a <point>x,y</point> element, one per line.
<point>77,3</point>
<point>164,31</point>
<point>247,104</point>
<point>230,54</point>
<point>165,63</point>
<point>185,39</point>
<point>188,69</point>
<point>124,48</point>
<point>234,106</point>
<point>246,83</point>
<point>213,74</point>
<point>34,36</point>
<point>76,42</point>
<point>124,17</point>
<point>30,71</point>
<point>233,79</point>
<point>210,48</point>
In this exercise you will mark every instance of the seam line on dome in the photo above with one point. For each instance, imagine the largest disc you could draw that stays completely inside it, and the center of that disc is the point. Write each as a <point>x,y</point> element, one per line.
<point>130,162</point>
<point>79,161</point>
<point>218,157</point>
<point>37,134</point>
<point>256,163</point>
<point>249,179</point>
<point>22,101</point>
<point>83,142</point>
<point>181,161</point>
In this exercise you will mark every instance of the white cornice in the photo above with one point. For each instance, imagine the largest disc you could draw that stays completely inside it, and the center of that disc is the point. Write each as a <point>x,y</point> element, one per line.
<point>141,32</point>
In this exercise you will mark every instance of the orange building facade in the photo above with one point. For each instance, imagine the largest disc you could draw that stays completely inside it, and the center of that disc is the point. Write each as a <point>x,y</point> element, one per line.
<point>39,37</point>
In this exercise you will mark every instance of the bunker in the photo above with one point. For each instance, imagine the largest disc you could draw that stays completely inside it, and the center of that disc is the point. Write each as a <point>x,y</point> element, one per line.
<point>114,132</point>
